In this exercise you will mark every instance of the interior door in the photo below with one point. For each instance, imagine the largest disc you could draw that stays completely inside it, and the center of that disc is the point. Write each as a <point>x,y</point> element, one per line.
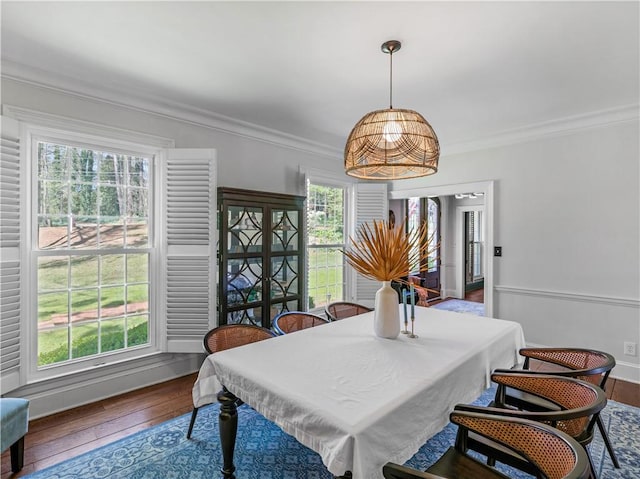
<point>473,258</point>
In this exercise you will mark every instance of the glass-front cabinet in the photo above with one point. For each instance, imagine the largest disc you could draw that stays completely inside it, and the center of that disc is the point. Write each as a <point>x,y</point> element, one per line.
<point>260,254</point>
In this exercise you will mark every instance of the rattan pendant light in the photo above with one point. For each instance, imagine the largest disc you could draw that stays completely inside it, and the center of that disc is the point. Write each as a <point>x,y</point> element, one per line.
<point>391,144</point>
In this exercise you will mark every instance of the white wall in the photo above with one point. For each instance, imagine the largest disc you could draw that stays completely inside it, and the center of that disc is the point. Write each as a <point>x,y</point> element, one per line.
<point>567,217</point>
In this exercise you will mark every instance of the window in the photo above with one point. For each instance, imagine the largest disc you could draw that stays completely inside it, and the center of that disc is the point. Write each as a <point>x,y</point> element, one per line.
<point>93,250</point>
<point>107,249</point>
<point>326,239</point>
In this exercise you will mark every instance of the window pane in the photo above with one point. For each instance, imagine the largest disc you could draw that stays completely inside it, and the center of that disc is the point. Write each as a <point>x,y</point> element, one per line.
<point>53,273</point>
<point>112,269</point>
<point>53,163</point>
<point>84,232</point>
<point>137,298</point>
<point>53,232</point>
<point>137,232</point>
<point>136,202</point>
<point>53,346</point>
<point>138,172</point>
<point>84,304</point>
<point>111,302</point>
<point>53,198</point>
<point>53,309</point>
<point>83,199</point>
<point>138,330</point>
<point>112,335</point>
<point>325,213</point>
<point>84,340</point>
<point>84,271</point>
<point>112,168</point>
<point>111,232</point>
<point>326,266</point>
<point>84,166</point>
<point>137,268</point>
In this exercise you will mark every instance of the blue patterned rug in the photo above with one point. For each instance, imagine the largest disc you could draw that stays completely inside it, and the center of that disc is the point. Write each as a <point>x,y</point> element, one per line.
<point>263,451</point>
<point>461,306</point>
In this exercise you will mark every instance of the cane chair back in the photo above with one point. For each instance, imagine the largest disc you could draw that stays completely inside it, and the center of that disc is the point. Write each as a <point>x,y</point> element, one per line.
<point>292,321</point>
<point>343,309</point>
<point>578,402</point>
<point>229,336</point>
<point>233,335</point>
<point>549,452</point>
<point>586,364</point>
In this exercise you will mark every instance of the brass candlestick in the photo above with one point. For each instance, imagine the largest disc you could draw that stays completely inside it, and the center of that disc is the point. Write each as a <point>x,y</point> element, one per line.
<point>404,304</point>
<point>412,335</point>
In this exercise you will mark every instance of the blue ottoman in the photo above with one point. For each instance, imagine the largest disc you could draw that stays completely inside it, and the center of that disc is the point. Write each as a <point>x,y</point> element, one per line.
<point>14,420</point>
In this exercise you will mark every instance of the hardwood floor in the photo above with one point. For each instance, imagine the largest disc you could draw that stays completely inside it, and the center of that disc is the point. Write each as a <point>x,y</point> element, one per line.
<point>58,437</point>
<point>477,296</point>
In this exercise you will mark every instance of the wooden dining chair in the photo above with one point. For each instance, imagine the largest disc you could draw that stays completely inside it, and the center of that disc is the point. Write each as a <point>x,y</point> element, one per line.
<point>586,364</point>
<point>344,309</point>
<point>230,336</point>
<point>291,321</point>
<point>550,453</point>
<point>576,403</point>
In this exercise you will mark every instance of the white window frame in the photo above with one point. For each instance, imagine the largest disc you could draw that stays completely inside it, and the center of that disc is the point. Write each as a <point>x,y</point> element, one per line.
<point>38,127</point>
<point>333,180</point>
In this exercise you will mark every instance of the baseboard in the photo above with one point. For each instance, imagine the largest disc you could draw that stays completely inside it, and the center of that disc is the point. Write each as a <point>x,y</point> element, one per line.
<point>627,372</point>
<point>59,394</point>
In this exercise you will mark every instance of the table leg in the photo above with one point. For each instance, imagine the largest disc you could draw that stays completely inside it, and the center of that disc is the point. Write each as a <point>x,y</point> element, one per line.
<point>228,428</point>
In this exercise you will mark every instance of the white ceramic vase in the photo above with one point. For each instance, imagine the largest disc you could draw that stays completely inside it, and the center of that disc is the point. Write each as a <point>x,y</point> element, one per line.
<point>386,314</point>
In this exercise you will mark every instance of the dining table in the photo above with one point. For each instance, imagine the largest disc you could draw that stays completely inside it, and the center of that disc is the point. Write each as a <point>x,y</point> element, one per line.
<point>356,399</point>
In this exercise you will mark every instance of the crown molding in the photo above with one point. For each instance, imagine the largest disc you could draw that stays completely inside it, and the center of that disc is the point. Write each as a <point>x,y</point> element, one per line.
<point>557,127</point>
<point>160,106</point>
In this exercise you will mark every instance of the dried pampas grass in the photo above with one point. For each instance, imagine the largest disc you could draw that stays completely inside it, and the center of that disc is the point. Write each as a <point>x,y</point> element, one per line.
<point>384,254</point>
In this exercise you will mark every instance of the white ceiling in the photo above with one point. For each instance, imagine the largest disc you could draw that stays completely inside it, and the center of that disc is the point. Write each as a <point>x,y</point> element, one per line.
<point>312,70</point>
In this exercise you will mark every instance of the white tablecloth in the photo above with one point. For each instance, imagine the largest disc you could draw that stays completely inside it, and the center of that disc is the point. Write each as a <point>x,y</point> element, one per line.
<point>359,400</point>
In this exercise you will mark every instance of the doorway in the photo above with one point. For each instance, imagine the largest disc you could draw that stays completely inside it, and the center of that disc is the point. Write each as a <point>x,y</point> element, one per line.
<point>452,259</point>
<point>474,251</point>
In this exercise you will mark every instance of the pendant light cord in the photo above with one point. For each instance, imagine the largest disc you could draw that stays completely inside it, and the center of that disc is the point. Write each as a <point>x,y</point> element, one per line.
<point>391,80</point>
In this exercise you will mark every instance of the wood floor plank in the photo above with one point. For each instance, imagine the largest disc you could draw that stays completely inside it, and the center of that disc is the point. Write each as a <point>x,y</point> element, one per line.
<point>626,392</point>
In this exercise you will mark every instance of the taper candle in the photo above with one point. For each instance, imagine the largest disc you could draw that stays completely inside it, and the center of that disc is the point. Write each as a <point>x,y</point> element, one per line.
<point>413,302</point>
<point>404,304</point>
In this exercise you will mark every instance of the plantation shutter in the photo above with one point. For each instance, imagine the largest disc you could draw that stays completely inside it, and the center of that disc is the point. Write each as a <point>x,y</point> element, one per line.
<point>370,204</point>
<point>10,256</point>
<point>189,247</point>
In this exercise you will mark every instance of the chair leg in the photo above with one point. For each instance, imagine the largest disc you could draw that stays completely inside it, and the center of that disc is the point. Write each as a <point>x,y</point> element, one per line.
<point>17,455</point>
<point>193,421</point>
<point>605,438</point>
<point>592,469</point>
